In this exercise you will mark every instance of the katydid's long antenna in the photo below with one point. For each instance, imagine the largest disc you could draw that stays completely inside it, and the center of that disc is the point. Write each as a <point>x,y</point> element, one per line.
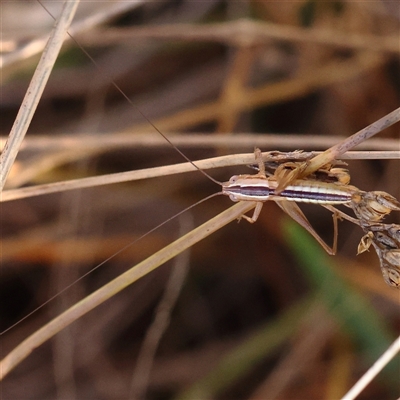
<point>110,258</point>
<point>147,233</point>
<point>133,104</point>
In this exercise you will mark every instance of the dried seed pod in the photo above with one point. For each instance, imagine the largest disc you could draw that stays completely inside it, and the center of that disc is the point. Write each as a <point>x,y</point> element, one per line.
<point>378,208</point>
<point>391,276</point>
<point>371,207</point>
<point>386,236</point>
<point>392,257</point>
<point>385,239</point>
<point>365,243</point>
<point>394,232</point>
<point>390,265</point>
<point>387,200</point>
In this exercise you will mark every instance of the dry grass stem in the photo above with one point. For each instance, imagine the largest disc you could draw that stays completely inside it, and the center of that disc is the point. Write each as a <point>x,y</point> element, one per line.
<point>110,289</point>
<point>36,46</point>
<point>244,32</point>
<point>35,90</point>
<point>335,152</point>
<point>378,147</point>
<point>162,317</point>
<point>373,371</point>
<point>215,162</point>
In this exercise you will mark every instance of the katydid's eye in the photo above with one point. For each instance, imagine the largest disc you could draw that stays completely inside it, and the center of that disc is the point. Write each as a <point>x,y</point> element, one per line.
<point>233,179</point>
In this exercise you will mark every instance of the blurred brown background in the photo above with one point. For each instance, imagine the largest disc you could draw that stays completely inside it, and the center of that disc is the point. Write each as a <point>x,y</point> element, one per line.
<point>303,71</point>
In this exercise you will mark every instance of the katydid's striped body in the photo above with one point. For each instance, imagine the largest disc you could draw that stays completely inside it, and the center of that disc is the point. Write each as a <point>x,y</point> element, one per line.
<point>260,188</point>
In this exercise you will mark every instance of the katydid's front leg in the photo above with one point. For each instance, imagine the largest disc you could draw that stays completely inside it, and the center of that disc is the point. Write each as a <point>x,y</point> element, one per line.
<point>255,215</point>
<point>261,172</point>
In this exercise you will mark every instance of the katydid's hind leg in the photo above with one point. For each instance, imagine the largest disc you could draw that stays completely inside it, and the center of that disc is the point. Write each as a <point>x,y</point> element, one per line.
<point>261,165</point>
<point>294,211</point>
<point>255,215</point>
<point>335,218</point>
<point>332,250</point>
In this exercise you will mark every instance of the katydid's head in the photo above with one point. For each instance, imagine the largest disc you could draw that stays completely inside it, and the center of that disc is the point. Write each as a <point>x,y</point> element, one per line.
<point>247,188</point>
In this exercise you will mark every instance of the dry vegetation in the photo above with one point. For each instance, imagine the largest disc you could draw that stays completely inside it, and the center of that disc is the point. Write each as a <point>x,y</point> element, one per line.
<point>256,312</point>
